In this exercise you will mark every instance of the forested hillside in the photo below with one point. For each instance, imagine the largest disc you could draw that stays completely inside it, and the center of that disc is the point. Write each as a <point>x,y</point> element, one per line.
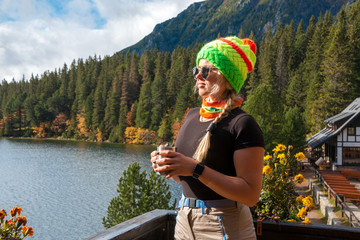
<point>302,76</point>
<point>203,21</point>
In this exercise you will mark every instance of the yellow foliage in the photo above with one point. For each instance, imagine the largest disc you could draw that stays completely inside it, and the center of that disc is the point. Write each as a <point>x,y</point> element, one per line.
<point>98,135</point>
<point>40,131</point>
<point>138,136</point>
<point>130,134</point>
<point>82,129</point>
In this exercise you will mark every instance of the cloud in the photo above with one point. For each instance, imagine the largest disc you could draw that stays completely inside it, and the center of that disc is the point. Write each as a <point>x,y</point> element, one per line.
<point>41,35</point>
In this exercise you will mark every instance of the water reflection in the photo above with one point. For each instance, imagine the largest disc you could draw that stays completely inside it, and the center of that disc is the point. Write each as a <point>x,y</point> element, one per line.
<point>64,187</point>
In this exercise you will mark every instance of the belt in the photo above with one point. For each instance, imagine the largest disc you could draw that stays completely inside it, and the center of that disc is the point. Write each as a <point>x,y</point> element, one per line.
<point>197,203</point>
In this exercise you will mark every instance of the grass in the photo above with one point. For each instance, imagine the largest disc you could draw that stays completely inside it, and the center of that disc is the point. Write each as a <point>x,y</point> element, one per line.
<point>323,218</point>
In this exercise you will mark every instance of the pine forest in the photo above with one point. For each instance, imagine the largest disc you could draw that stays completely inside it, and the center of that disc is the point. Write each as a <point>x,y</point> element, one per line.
<point>302,77</point>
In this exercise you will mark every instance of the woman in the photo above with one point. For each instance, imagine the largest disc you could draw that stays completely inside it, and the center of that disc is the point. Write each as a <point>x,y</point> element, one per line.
<point>220,149</point>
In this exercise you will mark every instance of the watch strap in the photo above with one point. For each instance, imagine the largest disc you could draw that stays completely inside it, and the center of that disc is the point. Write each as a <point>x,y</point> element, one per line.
<point>198,170</point>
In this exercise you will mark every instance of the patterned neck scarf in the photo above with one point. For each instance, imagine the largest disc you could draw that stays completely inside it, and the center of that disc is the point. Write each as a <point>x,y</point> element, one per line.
<point>213,109</point>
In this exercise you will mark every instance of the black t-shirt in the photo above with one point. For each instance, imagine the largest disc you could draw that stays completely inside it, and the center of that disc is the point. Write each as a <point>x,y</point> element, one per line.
<point>237,131</point>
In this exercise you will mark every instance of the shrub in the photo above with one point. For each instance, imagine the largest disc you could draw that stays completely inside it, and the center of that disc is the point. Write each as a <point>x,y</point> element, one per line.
<point>15,227</point>
<point>278,198</point>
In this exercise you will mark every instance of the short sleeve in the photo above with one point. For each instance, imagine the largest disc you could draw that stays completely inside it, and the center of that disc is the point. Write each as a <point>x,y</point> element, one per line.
<point>247,133</point>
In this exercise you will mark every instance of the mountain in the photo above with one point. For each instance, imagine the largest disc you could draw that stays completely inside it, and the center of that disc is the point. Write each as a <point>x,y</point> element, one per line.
<point>204,21</point>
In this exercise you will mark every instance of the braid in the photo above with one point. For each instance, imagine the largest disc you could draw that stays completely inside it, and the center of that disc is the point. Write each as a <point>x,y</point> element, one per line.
<point>204,145</point>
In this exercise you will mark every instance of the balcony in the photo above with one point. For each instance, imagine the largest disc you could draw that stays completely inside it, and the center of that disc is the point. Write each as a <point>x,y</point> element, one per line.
<point>159,225</point>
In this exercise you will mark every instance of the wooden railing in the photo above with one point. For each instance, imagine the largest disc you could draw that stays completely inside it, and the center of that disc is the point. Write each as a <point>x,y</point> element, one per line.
<point>339,201</point>
<point>160,224</point>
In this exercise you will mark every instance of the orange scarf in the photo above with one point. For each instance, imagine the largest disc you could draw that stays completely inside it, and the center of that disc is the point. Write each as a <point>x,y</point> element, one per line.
<point>213,109</point>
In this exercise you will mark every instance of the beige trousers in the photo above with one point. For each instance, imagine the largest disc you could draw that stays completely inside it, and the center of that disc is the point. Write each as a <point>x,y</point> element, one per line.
<point>232,223</point>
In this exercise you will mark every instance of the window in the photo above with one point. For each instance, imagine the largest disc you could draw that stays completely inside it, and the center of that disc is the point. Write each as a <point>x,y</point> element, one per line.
<point>351,131</point>
<point>351,155</point>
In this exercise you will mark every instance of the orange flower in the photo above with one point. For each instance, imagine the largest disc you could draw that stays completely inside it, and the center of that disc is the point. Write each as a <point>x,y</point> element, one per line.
<point>15,210</point>
<point>22,220</point>
<point>2,213</point>
<point>10,222</point>
<point>27,231</point>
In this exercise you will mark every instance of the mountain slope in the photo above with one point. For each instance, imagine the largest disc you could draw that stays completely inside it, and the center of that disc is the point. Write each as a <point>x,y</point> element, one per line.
<point>204,21</point>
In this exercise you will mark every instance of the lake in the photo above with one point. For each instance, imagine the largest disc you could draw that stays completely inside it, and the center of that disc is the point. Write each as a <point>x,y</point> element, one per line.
<point>65,187</point>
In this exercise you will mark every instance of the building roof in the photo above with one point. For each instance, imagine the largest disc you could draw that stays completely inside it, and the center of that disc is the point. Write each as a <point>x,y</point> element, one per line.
<point>351,112</point>
<point>353,108</point>
<point>319,138</point>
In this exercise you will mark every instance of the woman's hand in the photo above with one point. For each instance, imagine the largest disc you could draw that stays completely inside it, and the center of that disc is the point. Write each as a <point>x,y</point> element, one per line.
<point>176,164</point>
<point>153,159</point>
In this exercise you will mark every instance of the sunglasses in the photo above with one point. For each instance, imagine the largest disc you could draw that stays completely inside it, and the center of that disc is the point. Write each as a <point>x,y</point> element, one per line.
<point>204,71</point>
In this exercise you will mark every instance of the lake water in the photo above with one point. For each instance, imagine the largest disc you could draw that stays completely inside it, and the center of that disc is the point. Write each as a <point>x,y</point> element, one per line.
<point>64,187</point>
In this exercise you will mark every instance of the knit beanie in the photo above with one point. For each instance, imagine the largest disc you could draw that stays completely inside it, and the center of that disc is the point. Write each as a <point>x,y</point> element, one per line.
<point>234,58</point>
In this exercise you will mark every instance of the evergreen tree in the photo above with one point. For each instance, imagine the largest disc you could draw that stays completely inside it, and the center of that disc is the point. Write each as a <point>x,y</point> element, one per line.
<point>138,193</point>
<point>126,85</point>
<point>183,101</point>
<point>113,103</point>
<point>165,130</point>
<point>264,105</point>
<point>283,59</point>
<point>99,106</point>
<point>337,71</point>
<point>299,46</point>
<point>122,120</point>
<point>134,79</point>
<point>143,112</point>
<point>89,105</point>
<point>266,60</point>
<point>312,65</point>
<point>353,24</point>
<point>158,90</point>
<point>293,129</point>
<point>65,81</point>
<point>177,75</point>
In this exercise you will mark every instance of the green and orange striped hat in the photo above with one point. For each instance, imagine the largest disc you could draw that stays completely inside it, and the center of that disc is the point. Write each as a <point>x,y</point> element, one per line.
<point>234,57</point>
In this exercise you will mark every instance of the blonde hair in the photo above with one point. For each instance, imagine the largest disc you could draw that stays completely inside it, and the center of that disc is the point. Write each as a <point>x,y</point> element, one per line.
<point>229,94</point>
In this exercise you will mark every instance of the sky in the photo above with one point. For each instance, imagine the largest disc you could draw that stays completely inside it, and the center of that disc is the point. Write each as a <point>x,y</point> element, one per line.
<point>41,35</point>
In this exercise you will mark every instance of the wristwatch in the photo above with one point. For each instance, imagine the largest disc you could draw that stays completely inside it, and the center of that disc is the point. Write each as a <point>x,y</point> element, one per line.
<point>198,170</point>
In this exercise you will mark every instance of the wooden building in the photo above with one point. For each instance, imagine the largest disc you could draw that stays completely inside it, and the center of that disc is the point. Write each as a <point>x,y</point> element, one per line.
<point>340,137</point>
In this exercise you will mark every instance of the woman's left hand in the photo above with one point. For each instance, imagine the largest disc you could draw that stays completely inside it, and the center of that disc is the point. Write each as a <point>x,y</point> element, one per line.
<point>176,164</point>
